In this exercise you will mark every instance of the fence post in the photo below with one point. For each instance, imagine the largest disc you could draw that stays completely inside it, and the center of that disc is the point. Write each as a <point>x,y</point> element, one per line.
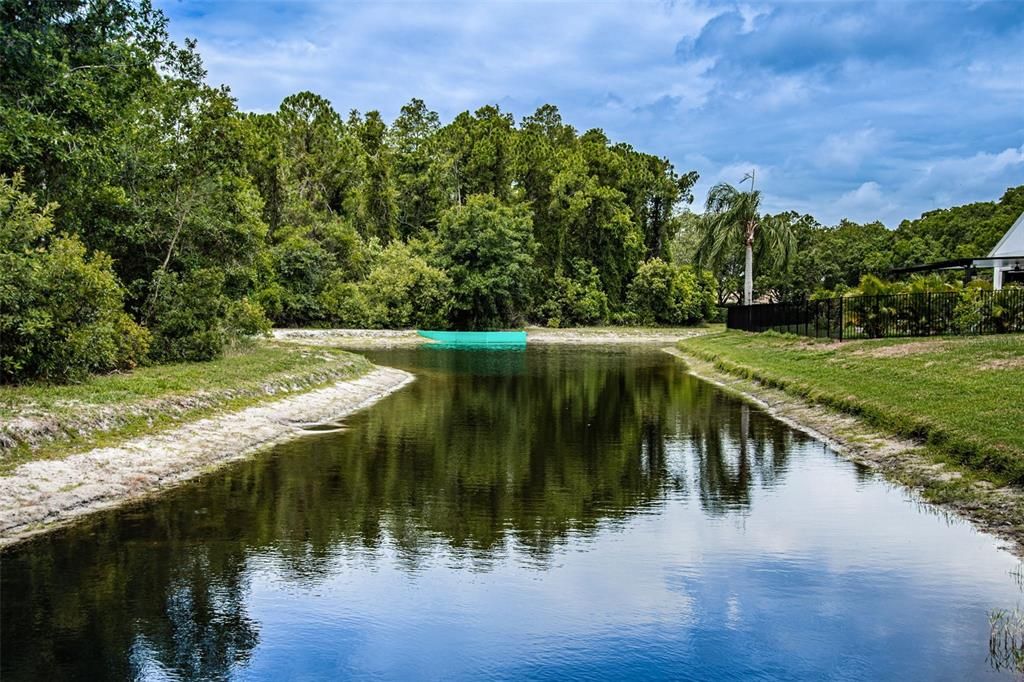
<point>842,321</point>
<point>931,319</point>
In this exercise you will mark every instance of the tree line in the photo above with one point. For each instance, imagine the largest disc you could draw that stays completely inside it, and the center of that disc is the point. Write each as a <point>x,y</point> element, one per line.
<point>799,258</point>
<point>144,218</point>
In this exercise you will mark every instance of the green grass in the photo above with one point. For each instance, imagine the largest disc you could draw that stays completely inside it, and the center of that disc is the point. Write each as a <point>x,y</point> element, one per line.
<point>109,408</point>
<point>963,396</point>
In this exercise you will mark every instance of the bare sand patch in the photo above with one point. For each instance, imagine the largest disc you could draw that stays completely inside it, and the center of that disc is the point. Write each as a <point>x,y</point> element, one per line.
<point>395,338</point>
<point>43,494</point>
<point>901,350</point>
<point>351,338</point>
<point>1003,363</point>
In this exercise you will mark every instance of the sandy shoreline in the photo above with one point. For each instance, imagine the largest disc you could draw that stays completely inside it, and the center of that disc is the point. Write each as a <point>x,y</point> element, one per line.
<point>41,495</point>
<point>392,338</point>
<point>996,511</point>
<point>44,494</point>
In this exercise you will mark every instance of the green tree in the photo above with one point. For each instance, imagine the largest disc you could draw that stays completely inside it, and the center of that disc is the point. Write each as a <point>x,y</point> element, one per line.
<point>576,298</point>
<point>669,294</point>
<point>542,145</point>
<point>486,247</point>
<point>594,221</point>
<point>420,193</point>
<point>477,152</point>
<point>730,219</point>
<point>968,231</point>
<point>403,290</point>
<point>319,161</point>
<point>194,206</point>
<point>70,73</point>
<point>378,207</point>
<point>61,308</point>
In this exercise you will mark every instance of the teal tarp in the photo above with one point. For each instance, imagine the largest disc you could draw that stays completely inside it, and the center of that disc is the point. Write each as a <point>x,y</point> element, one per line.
<point>477,338</point>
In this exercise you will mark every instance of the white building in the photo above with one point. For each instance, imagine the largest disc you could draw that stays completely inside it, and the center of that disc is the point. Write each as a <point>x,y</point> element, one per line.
<point>1006,260</point>
<point>1008,256</point>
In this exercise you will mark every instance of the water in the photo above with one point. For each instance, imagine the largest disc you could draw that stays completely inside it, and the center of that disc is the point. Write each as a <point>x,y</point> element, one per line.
<point>552,514</point>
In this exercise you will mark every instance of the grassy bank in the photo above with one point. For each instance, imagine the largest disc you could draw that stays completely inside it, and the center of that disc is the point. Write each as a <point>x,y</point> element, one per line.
<point>962,396</point>
<point>42,421</point>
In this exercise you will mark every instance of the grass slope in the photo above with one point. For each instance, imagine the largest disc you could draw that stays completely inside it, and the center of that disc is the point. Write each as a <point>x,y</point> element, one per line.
<point>964,396</point>
<point>41,421</point>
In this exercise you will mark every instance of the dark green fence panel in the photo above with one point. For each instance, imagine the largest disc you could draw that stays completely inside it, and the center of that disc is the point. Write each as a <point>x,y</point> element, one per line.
<point>971,311</point>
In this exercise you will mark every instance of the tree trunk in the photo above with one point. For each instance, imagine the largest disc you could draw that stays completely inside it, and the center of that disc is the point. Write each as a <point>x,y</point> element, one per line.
<point>748,275</point>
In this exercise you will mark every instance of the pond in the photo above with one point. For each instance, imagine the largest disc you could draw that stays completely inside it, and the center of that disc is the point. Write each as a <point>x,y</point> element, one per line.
<point>546,514</point>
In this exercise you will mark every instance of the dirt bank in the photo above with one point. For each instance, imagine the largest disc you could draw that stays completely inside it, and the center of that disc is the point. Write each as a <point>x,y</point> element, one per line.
<point>599,336</point>
<point>392,338</point>
<point>995,510</point>
<point>351,338</point>
<point>40,495</point>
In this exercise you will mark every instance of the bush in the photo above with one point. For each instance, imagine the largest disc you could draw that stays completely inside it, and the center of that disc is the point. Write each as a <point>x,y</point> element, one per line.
<point>61,309</point>
<point>576,300</point>
<point>301,269</point>
<point>487,247</point>
<point>188,314</point>
<point>245,319</point>
<point>344,303</point>
<point>404,290</point>
<point>666,294</point>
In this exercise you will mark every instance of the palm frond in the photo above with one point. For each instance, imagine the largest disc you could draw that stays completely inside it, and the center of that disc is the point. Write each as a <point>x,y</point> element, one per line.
<point>722,229</point>
<point>774,243</point>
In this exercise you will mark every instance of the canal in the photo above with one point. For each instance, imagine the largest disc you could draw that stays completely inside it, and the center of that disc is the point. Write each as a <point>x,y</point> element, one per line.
<point>553,513</point>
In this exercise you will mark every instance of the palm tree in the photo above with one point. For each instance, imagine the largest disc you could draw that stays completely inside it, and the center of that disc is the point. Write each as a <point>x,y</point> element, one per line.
<point>730,218</point>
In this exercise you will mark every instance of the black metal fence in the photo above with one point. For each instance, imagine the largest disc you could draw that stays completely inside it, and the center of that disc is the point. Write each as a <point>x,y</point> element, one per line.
<point>971,311</point>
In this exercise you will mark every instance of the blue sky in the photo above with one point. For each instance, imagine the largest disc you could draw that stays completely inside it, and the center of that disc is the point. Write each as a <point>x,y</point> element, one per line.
<point>859,110</point>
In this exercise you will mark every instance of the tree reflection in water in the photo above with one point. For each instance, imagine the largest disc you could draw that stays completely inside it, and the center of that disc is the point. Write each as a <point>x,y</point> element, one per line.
<point>486,455</point>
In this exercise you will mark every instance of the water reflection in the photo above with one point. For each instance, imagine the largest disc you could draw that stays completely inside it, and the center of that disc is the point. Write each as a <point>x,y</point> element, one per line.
<point>503,465</point>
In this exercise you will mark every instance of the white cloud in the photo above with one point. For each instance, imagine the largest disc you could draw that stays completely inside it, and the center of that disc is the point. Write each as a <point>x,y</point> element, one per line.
<point>864,203</point>
<point>828,123</point>
<point>952,180</point>
<point>848,150</point>
<point>980,166</point>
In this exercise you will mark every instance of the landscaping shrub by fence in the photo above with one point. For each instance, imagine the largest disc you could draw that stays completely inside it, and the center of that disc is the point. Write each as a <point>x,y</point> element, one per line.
<point>970,311</point>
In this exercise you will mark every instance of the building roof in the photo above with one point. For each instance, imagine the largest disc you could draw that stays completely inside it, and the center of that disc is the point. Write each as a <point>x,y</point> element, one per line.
<point>1008,252</point>
<point>1012,243</point>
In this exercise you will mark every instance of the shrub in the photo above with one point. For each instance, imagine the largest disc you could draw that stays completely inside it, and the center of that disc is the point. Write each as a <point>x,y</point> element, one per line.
<point>61,308</point>
<point>344,303</point>
<point>302,268</point>
<point>1007,312</point>
<point>666,294</point>
<point>404,290</point>
<point>245,319</point>
<point>486,247</point>
<point>576,300</point>
<point>188,315</point>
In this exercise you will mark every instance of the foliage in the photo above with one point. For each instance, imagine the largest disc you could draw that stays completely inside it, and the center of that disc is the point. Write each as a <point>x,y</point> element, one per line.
<point>245,319</point>
<point>61,308</point>
<point>731,221</point>
<point>832,259</point>
<point>576,300</point>
<point>188,316</point>
<point>301,268</point>
<point>486,248</point>
<point>303,216</point>
<point>672,295</point>
<point>345,304</point>
<point>404,290</point>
